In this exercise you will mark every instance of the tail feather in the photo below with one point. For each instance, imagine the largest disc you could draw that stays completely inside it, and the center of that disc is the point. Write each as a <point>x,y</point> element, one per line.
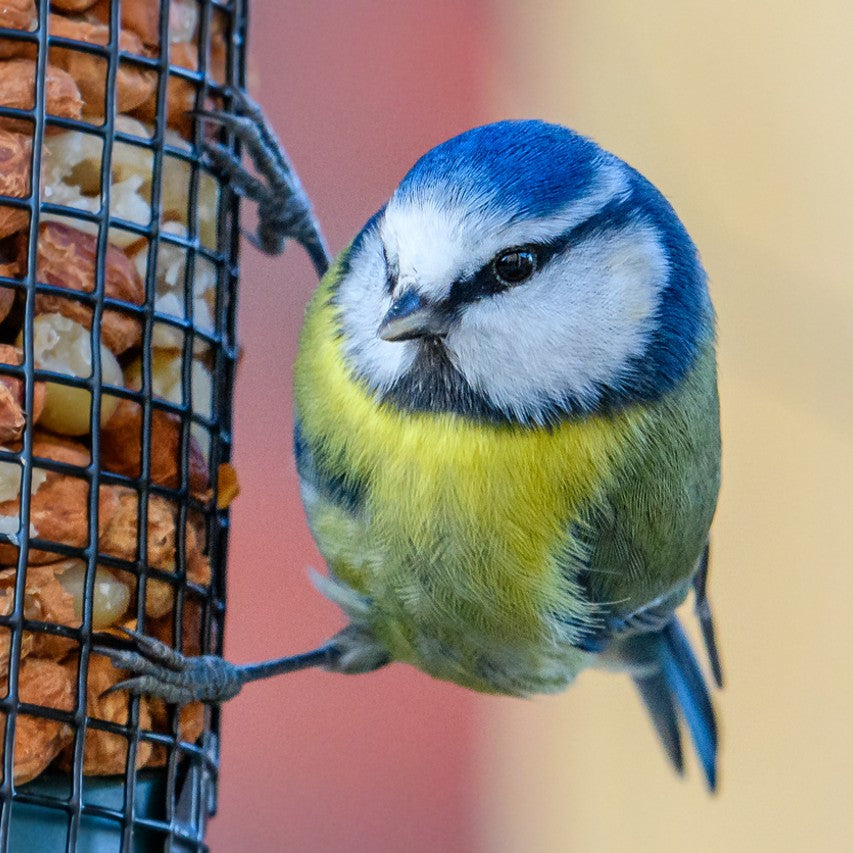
<point>656,694</point>
<point>706,619</point>
<point>685,680</point>
<point>667,677</point>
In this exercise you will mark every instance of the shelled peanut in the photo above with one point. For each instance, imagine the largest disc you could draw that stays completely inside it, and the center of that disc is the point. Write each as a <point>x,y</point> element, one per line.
<point>57,409</point>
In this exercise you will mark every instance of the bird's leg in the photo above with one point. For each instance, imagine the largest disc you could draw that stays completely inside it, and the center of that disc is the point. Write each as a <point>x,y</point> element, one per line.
<point>284,211</point>
<point>159,670</point>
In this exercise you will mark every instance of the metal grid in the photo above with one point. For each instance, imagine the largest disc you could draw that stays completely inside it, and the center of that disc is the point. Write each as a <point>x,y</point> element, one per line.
<point>142,809</point>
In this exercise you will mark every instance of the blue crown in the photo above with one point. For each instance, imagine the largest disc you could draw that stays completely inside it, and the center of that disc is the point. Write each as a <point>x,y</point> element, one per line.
<point>531,168</point>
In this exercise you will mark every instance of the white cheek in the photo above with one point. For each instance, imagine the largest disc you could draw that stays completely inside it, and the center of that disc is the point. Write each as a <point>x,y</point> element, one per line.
<point>572,329</point>
<point>364,301</point>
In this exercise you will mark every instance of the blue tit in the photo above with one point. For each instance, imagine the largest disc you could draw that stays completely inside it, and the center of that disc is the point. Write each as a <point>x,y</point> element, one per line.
<point>508,432</point>
<point>508,429</point>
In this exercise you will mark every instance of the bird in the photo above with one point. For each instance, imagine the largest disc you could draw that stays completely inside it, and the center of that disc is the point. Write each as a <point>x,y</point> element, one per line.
<point>506,431</point>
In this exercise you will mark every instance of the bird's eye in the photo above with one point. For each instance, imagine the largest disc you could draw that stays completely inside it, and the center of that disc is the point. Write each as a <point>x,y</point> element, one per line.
<point>515,265</point>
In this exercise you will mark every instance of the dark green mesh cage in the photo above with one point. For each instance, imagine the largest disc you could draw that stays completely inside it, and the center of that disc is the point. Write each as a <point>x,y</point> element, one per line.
<point>118,274</point>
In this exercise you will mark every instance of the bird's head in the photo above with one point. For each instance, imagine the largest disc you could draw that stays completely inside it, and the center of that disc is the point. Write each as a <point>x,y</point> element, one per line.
<point>520,273</point>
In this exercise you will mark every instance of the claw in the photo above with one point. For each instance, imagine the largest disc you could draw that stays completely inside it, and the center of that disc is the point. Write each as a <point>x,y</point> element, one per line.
<point>242,104</point>
<point>221,154</point>
<point>131,685</point>
<point>283,207</point>
<point>130,660</point>
<point>149,684</point>
<point>251,238</point>
<point>236,123</point>
<point>241,99</point>
<point>133,635</point>
<point>220,116</point>
<point>156,650</point>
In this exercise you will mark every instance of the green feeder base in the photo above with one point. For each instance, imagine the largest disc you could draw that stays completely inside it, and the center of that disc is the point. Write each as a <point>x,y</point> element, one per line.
<point>36,827</point>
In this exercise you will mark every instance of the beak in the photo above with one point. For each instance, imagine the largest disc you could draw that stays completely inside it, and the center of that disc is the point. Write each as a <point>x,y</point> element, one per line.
<point>410,317</point>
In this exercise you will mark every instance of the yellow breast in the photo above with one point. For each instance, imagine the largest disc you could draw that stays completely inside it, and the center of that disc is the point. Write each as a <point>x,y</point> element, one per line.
<point>465,540</point>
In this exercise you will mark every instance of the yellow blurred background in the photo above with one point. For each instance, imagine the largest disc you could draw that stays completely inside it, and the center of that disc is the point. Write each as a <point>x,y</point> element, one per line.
<point>741,113</point>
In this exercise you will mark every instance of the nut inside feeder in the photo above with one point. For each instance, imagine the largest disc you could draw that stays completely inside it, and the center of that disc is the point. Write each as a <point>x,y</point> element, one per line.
<point>117,352</point>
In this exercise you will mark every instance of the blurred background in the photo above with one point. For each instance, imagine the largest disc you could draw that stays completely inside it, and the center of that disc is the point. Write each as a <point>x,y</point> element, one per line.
<point>740,113</point>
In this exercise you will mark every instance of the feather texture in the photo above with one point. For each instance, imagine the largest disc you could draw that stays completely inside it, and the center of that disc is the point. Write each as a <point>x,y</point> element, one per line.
<point>490,552</point>
<point>525,488</point>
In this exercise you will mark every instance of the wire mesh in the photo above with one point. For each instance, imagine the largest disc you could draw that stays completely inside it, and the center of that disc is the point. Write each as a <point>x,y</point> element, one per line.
<point>118,274</point>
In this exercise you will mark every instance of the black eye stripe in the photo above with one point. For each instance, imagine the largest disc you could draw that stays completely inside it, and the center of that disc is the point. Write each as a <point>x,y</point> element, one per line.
<point>486,282</point>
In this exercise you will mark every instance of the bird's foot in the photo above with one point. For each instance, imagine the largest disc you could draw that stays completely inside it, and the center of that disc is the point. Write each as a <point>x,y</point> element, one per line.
<point>284,211</point>
<point>159,670</point>
<point>356,651</point>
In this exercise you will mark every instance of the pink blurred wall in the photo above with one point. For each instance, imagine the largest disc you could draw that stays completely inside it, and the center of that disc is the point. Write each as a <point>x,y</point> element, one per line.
<point>740,113</point>
<point>317,762</point>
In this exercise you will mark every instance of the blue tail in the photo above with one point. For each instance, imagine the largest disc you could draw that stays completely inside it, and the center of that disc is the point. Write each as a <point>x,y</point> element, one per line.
<point>670,679</point>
